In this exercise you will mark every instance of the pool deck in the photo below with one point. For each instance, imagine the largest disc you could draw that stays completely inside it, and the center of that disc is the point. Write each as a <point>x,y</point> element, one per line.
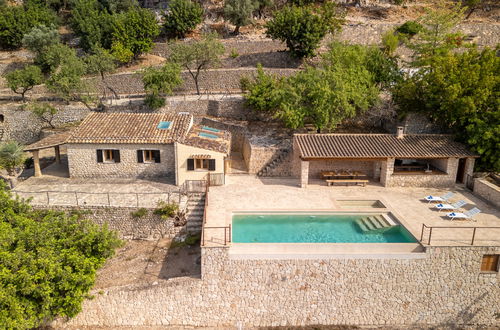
<point>249,193</point>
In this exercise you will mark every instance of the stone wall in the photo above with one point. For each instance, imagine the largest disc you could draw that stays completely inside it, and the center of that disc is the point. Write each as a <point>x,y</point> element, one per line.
<point>448,165</point>
<point>82,161</point>
<point>487,190</point>
<point>259,151</point>
<point>149,226</point>
<point>238,131</point>
<point>446,289</point>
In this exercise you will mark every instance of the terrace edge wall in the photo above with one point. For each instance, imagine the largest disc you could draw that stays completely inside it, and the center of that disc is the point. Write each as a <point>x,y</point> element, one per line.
<point>444,289</point>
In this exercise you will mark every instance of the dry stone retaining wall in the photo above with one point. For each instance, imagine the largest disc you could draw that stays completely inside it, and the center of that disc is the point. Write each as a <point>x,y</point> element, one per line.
<point>445,289</point>
<point>488,191</point>
<point>149,226</point>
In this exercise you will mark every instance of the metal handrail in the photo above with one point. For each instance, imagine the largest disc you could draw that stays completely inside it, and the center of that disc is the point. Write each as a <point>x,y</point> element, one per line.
<point>227,234</point>
<point>451,227</point>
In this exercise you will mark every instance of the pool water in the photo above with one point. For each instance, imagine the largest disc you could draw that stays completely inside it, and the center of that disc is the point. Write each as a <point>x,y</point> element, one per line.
<point>302,228</point>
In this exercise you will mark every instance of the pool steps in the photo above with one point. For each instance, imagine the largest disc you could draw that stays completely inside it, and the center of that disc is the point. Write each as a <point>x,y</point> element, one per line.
<point>375,223</point>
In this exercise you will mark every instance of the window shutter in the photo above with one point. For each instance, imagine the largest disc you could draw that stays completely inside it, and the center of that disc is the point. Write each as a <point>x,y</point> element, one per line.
<point>140,158</point>
<point>99,156</point>
<point>116,156</point>
<point>211,164</point>
<point>156,154</point>
<point>190,164</point>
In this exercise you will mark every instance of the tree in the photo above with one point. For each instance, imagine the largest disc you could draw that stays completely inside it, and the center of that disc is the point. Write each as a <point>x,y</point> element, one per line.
<point>135,30</point>
<point>239,12</point>
<point>118,6</point>
<point>461,92</point>
<point>52,57</point>
<point>66,79</point>
<point>182,17</point>
<point>160,82</point>
<point>101,62</point>
<point>22,80</point>
<point>45,112</point>
<point>262,5</point>
<point>471,5</point>
<point>436,36</point>
<point>12,157</point>
<point>39,38</point>
<point>341,87</point>
<point>49,262</point>
<point>92,23</point>
<point>197,56</point>
<point>303,28</point>
<point>16,21</point>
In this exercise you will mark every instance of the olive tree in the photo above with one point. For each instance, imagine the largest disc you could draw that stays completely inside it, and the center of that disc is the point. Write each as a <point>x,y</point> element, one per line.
<point>159,82</point>
<point>197,56</point>
<point>23,80</point>
<point>239,12</point>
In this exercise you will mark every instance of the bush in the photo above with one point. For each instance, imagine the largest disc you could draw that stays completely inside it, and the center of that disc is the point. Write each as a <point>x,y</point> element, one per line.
<point>166,210</point>
<point>410,28</point>
<point>49,263</point>
<point>182,17</point>
<point>92,23</point>
<point>239,12</point>
<point>390,42</point>
<point>16,21</point>
<point>40,37</point>
<point>12,157</point>
<point>302,28</point>
<point>139,213</point>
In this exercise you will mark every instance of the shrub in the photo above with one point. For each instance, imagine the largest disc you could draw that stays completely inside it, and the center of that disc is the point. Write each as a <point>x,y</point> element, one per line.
<point>166,210</point>
<point>234,53</point>
<point>139,213</point>
<point>302,28</point>
<point>12,156</point>
<point>182,17</point>
<point>410,28</point>
<point>40,37</point>
<point>390,42</point>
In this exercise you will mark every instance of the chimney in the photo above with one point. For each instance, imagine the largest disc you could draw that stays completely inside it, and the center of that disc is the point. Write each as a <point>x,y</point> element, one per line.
<point>400,132</point>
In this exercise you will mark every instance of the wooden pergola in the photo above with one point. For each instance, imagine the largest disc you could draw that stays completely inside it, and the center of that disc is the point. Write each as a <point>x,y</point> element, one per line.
<point>51,141</point>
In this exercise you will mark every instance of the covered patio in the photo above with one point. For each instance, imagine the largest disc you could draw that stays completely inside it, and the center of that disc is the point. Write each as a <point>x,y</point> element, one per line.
<point>420,160</point>
<point>52,141</point>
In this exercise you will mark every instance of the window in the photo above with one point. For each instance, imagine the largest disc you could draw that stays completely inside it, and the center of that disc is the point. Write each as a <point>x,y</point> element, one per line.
<point>148,156</point>
<point>490,263</point>
<point>200,164</point>
<point>108,156</point>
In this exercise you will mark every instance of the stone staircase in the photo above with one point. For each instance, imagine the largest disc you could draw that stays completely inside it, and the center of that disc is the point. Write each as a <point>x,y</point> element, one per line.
<point>282,154</point>
<point>375,223</point>
<point>196,208</point>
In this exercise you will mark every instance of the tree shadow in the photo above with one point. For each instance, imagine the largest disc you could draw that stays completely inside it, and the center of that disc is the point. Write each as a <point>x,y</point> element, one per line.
<point>181,260</point>
<point>281,59</point>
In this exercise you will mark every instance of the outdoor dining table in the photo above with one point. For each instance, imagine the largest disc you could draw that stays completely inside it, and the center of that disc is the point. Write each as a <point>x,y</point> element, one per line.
<point>342,174</point>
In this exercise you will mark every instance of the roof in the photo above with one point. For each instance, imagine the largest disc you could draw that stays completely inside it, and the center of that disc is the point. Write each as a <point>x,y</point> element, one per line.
<point>379,146</point>
<point>131,128</point>
<point>52,140</point>
<point>219,141</point>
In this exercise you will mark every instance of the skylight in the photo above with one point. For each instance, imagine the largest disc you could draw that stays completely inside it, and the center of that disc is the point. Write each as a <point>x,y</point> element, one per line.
<point>208,136</point>
<point>164,125</point>
<point>206,128</point>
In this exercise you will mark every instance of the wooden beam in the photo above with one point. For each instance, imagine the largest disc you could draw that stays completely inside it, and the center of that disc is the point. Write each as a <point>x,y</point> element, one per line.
<point>58,154</point>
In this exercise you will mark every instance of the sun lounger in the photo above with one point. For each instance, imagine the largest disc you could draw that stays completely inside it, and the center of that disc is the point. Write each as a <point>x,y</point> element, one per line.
<point>466,215</point>
<point>453,206</point>
<point>440,199</point>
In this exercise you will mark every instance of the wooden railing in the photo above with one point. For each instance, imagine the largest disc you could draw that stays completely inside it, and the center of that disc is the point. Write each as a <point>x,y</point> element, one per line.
<point>473,232</point>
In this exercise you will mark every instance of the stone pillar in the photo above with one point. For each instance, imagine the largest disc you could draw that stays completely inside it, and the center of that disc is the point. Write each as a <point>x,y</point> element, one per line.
<point>304,173</point>
<point>451,170</point>
<point>386,170</point>
<point>57,151</point>
<point>469,166</point>
<point>36,163</point>
<point>376,170</point>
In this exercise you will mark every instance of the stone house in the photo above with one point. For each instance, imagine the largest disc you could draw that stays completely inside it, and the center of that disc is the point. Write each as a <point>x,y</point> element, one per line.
<point>142,145</point>
<point>419,160</point>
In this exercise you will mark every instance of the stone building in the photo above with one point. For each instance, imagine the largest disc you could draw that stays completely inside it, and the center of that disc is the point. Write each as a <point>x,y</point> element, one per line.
<point>420,160</point>
<point>140,145</point>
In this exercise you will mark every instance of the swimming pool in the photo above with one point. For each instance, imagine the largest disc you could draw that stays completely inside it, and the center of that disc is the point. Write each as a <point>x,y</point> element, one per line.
<point>317,228</point>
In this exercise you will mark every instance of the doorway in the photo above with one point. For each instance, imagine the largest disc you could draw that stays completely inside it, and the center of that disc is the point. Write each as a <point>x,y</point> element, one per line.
<point>460,170</point>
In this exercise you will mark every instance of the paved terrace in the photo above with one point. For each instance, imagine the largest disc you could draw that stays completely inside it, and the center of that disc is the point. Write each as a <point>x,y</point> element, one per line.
<point>247,193</point>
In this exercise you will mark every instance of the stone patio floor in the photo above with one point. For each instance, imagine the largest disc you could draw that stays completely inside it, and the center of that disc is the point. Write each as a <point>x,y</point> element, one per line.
<point>249,193</point>
<point>55,188</point>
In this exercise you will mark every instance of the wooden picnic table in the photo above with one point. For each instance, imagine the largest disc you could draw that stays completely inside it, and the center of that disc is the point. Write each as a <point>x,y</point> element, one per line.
<point>342,174</point>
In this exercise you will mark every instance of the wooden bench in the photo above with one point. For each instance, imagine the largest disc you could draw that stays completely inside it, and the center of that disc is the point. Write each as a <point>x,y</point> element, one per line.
<point>347,181</point>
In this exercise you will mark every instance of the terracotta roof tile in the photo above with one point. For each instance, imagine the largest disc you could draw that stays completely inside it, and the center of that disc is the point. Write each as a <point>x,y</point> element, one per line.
<point>131,128</point>
<point>379,146</point>
<point>52,140</point>
<point>220,144</point>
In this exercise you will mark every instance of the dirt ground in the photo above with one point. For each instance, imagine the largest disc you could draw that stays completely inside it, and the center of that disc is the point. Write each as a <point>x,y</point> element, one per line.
<point>145,262</point>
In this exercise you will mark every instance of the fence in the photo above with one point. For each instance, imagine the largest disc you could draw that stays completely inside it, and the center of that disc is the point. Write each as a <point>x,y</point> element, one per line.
<point>473,232</point>
<point>116,199</point>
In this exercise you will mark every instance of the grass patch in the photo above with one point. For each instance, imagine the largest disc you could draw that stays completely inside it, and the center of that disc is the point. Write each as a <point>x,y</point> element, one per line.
<point>139,213</point>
